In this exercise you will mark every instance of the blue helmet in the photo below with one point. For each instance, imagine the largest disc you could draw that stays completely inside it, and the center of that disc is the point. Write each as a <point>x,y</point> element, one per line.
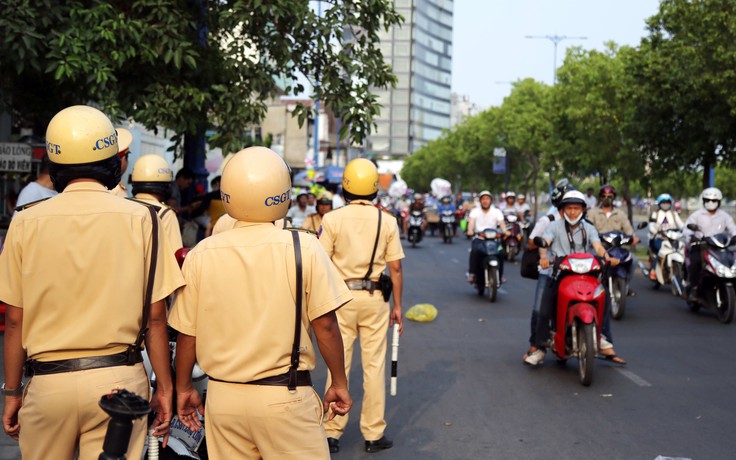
<point>664,197</point>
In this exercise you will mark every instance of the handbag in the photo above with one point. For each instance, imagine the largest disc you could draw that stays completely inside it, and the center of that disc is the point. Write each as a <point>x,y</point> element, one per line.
<point>384,281</point>
<point>530,260</point>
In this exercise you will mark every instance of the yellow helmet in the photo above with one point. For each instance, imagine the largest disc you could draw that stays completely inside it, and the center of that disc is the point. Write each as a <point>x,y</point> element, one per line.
<point>125,138</point>
<point>80,134</point>
<point>256,186</point>
<point>151,168</point>
<point>360,177</point>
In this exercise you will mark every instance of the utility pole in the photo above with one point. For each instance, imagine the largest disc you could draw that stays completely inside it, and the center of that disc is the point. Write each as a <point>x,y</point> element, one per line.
<point>555,39</point>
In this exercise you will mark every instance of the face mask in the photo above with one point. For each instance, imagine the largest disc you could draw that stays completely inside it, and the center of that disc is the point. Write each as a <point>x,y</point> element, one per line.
<point>665,206</point>
<point>607,202</point>
<point>711,205</point>
<point>573,222</point>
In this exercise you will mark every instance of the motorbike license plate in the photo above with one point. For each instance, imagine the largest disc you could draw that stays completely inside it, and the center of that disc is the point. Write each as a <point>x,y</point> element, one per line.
<point>448,220</point>
<point>192,439</point>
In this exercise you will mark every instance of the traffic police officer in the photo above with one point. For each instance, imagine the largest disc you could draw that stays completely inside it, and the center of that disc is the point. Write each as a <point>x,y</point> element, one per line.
<point>125,138</point>
<point>349,236</point>
<point>324,205</point>
<point>68,313</point>
<point>238,313</point>
<point>152,179</point>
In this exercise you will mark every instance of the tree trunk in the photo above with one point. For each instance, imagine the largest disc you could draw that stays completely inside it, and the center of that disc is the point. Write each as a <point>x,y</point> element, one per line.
<point>707,164</point>
<point>626,196</point>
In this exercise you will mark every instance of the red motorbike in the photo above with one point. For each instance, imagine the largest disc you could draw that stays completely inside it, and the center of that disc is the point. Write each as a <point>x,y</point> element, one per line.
<point>581,301</point>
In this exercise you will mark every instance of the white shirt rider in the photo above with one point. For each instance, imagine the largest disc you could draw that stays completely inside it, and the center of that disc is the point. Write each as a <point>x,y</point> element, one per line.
<point>490,218</point>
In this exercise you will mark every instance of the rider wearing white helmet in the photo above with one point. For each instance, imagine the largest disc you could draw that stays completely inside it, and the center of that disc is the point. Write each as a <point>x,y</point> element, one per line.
<point>481,218</point>
<point>664,218</point>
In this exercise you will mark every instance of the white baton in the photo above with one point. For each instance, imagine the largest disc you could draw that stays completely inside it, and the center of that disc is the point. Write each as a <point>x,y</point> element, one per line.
<point>394,358</point>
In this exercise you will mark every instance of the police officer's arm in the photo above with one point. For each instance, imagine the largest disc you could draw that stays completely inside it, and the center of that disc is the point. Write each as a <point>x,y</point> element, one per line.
<point>157,345</point>
<point>188,401</point>
<point>329,341</point>
<point>397,277</point>
<point>471,226</point>
<point>14,357</point>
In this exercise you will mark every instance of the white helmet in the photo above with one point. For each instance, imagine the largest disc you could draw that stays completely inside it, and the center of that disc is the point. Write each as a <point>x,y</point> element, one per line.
<point>256,186</point>
<point>573,197</point>
<point>712,198</point>
<point>521,197</point>
<point>485,193</point>
<point>510,195</point>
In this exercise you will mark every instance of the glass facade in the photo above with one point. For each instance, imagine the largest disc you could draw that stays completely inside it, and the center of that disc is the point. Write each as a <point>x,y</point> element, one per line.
<point>420,54</point>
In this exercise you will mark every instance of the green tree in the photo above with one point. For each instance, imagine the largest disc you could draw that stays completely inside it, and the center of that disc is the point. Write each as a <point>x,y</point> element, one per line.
<point>192,65</point>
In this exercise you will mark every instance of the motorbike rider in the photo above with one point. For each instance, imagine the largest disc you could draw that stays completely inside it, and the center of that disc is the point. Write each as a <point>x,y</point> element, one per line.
<point>524,208</point>
<point>416,205</point>
<point>562,187</point>
<point>558,235</point>
<point>151,181</point>
<point>236,316</point>
<point>481,218</point>
<point>509,204</point>
<point>75,272</point>
<point>664,218</point>
<point>710,221</point>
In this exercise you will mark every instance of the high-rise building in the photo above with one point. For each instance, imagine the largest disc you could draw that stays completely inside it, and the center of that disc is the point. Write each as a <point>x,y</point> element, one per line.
<point>420,53</point>
<point>462,107</point>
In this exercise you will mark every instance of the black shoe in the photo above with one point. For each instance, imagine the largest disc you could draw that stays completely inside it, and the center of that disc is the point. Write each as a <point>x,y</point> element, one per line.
<point>334,445</point>
<point>381,444</point>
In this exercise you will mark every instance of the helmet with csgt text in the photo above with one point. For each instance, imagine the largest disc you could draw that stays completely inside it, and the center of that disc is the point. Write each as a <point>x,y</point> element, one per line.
<point>360,177</point>
<point>256,186</point>
<point>573,197</point>
<point>80,134</point>
<point>152,174</point>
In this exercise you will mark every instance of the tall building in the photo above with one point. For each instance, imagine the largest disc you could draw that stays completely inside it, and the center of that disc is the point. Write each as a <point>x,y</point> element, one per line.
<point>420,53</point>
<point>462,107</point>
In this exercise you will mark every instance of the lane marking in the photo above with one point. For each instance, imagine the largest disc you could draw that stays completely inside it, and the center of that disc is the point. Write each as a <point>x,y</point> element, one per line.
<point>456,261</point>
<point>633,377</point>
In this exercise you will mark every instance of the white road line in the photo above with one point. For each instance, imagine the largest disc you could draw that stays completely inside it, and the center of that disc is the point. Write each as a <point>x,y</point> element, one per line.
<point>456,261</point>
<point>633,377</point>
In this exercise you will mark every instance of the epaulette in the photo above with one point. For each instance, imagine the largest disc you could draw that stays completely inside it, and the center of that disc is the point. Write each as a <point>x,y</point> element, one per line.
<point>303,230</point>
<point>145,203</point>
<point>30,205</point>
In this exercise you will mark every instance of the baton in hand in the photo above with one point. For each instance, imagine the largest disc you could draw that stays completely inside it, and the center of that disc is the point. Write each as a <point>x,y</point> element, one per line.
<point>394,358</point>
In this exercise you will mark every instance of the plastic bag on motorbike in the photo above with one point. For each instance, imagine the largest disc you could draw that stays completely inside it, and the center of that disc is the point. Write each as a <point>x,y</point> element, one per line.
<point>422,312</point>
<point>397,189</point>
<point>441,187</point>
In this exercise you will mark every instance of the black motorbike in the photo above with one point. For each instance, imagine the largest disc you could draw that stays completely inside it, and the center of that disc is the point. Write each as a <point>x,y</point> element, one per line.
<point>618,276</point>
<point>447,218</point>
<point>487,271</point>
<point>414,228</point>
<point>715,288</point>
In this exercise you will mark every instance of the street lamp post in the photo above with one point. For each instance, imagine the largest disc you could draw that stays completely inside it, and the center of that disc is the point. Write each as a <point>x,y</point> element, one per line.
<point>555,39</point>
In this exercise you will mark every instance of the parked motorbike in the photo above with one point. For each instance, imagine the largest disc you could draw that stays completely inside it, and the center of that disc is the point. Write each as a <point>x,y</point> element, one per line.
<point>581,300</point>
<point>715,288</point>
<point>447,218</point>
<point>512,242</point>
<point>487,273</point>
<point>414,228</point>
<point>618,277</point>
<point>669,262</point>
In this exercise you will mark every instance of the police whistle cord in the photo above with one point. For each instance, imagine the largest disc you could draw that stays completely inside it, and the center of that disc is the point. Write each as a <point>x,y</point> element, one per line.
<point>394,358</point>
<point>123,407</point>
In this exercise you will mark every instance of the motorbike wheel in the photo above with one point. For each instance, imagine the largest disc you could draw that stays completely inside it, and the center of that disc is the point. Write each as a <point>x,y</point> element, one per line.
<point>586,353</point>
<point>492,285</point>
<point>676,280</point>
<point>621,291</point>
<point>725,311</point>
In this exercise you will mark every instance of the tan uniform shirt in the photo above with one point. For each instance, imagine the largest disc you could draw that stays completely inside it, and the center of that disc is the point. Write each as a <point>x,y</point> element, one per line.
<point>349,233</point>
<point>225,223</point>
<point>312,222</point>
<point>239,300</point>
<point>168,220</point>
<point>56,266</point>
<point>120,191</point>
<point>615,221</point>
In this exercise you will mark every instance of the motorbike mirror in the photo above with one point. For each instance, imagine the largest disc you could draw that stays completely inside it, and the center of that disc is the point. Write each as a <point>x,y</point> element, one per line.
<point>641,225</point>
<point>733,241</point>
<point>540,242</point>
<point>693,227</point>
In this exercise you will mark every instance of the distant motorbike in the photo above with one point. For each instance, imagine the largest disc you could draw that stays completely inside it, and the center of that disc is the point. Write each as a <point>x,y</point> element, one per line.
<point>618,277</point>
<point>414,228</point>
<point>447,218</point>
<point>669,262</point>
<point>716,285</point>
<point>487,273</point>
<point>512,241</point>
<point>581,300</point>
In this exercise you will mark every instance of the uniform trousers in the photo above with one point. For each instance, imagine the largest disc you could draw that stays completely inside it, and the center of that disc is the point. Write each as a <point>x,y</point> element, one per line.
<point>260,421</point>
<point>61,411</point>
<point>366,316</point>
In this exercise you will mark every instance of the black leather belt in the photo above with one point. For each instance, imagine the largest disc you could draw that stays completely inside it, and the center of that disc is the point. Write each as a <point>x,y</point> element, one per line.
<point>124,358</point>
<point>303,379</point>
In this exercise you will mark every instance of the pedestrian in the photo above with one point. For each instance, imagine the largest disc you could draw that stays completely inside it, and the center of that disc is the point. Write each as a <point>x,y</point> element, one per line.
<point>125,138</point>
<point>39,189</point>
<point>361,240</point>
<point>84,274</point>
<point>151,181</point>
<point>255,292</point>
<point>300,211</point>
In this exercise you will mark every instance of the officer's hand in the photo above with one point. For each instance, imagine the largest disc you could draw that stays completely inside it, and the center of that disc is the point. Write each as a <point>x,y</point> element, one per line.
<point>338,399</point>
<point>161,405</point>
<point>10,415</point>
<point>544,262</point>
<point>188,403</point>
<point>396,318</point>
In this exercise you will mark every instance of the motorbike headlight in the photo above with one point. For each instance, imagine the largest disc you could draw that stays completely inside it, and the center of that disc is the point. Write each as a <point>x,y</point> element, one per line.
<point>581,265</point>
<point>720,269</point>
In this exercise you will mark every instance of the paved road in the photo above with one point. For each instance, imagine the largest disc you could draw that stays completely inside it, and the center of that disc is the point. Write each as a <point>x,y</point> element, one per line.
<point>465,394</point>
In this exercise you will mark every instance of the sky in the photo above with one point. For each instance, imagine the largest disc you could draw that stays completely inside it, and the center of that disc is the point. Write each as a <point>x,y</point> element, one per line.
<point>489,43</point>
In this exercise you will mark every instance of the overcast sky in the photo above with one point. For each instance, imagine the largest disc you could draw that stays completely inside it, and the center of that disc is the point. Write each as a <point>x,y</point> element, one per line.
<point>489,44</point>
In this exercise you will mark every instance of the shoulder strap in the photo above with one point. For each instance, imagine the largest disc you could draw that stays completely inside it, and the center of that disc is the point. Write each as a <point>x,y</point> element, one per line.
<point>298,323</point>
<point>151,278</point>
<point>375,246</point>
<point>164,212</point>
<point>551,217</point>
<point>30,205</point>
<point>570,238</point>
<point>144,203</point>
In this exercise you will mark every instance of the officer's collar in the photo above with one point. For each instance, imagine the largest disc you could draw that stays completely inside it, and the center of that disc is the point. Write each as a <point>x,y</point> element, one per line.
<point>241,224</point>
<point>85,185</point>
<point>362,202</point>
<point>146,196</point>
